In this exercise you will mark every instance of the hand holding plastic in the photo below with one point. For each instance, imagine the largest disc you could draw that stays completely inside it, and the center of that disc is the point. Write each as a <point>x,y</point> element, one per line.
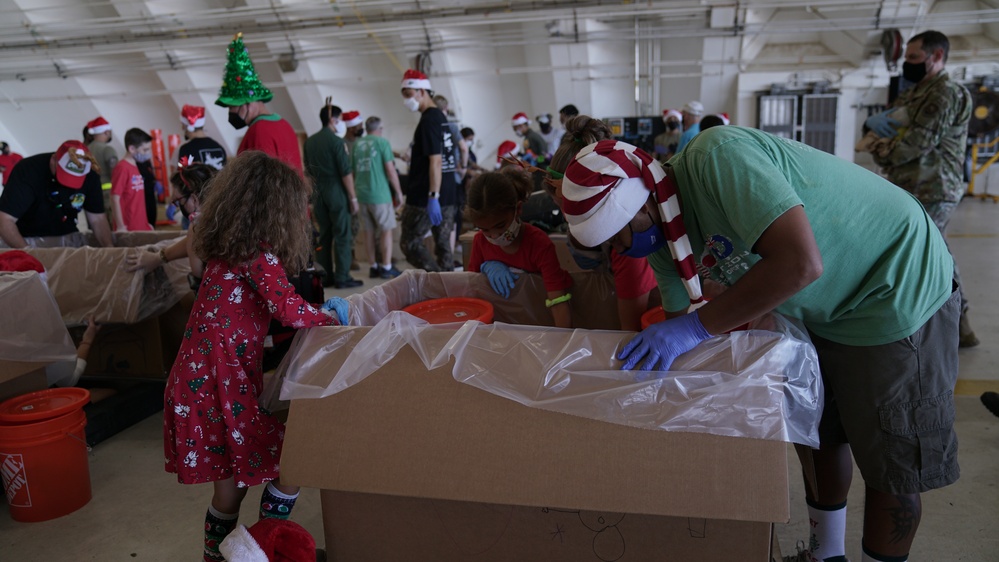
<point>882,124</point>
<point>341,307</point>
<point>501,279</point>
<point>655,347</point>
<point>434,211</point>
<point>171,211</point>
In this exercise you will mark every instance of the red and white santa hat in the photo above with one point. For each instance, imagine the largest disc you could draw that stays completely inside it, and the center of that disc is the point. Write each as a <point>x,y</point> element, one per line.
<point>724,118</point>
<point>73,161</point>
<point>19,260</point>
<point>667,113</point>
<point>416,80</point>
<point>508,149</point>
<point>98,126</point>
<point>269,540</point>
<point>519,119</point>
<point>607,184</point>
<point>352,118</point>
<point>193,117</point>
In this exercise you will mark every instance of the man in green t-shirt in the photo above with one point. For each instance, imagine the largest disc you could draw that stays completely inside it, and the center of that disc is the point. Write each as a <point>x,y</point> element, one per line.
<point>333,199</point>
<point>374,172</point>
<point>791,229</point>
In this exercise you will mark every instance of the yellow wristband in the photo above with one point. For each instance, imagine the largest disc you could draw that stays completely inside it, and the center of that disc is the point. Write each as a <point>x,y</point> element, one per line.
<point>558,300</point>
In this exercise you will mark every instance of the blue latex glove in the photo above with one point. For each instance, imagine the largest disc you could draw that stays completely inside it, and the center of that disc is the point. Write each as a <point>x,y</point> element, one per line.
<point>434,211</point>
<point>341,307</point>
<point>158,188</point>
<point>500,277</point>
<point>882,124</point>
<point>171,211</point>
<point>655,347</point>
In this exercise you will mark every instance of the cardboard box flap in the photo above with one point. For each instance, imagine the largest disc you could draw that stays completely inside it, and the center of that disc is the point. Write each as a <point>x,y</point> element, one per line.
<point>32,333</point>
<point>416,433</point>
<point>93,282</point>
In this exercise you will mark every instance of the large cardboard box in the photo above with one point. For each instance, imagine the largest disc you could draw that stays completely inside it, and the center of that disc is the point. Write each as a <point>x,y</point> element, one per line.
<point>128,350</point>
<point>415,465</point>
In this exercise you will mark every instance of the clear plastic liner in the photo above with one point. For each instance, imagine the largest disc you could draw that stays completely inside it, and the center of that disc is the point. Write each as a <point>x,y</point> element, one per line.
<point>762,383</point>
<point>32,330</point>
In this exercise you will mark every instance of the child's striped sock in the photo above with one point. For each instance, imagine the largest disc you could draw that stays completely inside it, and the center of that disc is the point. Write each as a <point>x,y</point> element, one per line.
<point>218,525</point>
<point>274,503</point>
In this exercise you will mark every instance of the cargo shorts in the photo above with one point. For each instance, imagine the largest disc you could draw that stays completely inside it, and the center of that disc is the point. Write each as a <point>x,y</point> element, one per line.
<point>894,404</point>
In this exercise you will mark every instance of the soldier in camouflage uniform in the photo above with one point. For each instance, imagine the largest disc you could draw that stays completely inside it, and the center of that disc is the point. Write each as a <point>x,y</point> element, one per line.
<point>928,157</point>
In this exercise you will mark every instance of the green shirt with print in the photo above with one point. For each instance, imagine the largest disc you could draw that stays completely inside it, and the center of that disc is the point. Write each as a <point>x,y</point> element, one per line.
<point>886,269</point>
<point>369,154</point>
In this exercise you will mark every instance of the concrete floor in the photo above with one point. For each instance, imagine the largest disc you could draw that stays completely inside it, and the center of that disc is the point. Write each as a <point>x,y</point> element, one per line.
<point>139,512</point>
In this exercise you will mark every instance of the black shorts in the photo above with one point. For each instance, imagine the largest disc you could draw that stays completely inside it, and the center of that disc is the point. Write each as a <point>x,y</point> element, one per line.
<point>894,404</point>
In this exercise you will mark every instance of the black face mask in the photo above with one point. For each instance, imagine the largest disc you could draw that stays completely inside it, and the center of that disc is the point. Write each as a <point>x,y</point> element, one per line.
<point>914,71</point>
<point>236,121</point>
<point>546,128</point>
<point>672,125</point>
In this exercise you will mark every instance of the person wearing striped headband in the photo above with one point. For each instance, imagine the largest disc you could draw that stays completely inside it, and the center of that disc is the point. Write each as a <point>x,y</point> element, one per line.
<point>778,223</point>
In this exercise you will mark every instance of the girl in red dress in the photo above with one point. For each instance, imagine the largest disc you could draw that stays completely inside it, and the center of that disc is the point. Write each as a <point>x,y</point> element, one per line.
<point>252,229</point>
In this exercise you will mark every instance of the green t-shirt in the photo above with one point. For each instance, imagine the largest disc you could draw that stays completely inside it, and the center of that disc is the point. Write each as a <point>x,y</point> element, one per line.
<point>370,153</point>
<point>886,268</point>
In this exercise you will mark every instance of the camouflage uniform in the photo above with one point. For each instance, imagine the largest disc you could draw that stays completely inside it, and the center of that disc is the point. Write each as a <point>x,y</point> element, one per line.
<point>928,157</point>
<point>415,224</point>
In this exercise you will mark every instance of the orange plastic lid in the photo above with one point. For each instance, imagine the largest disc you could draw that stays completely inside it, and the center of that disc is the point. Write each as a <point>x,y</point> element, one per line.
<point>453,309</point>
<point>43,405</point>
<point>653,316</point>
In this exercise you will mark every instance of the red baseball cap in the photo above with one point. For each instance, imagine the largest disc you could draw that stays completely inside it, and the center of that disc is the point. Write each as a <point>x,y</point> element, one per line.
<point>72,164</point>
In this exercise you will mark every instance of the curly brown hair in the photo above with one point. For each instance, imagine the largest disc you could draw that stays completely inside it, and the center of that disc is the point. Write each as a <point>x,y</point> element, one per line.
<point>255,200</point>
<point>497,192</point>
<point>580,132</point>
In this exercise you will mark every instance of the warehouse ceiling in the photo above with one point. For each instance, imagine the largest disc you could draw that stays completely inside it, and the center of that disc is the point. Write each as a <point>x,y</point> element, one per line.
<point>75,38</point>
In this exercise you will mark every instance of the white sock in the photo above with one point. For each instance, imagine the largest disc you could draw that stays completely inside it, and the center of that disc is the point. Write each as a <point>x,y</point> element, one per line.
<point>828,538</point>
<point>220,515</point>
<point>387,266</point>
<point>278,493</point>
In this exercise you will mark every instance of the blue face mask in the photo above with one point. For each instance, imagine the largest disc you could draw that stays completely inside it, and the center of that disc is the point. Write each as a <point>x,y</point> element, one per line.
<point>646,242</point>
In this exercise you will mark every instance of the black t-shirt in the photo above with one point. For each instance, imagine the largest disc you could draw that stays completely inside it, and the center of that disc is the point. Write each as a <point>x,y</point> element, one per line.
<point>204,150</point>
<point>41,205</point>
<point>433,136</point>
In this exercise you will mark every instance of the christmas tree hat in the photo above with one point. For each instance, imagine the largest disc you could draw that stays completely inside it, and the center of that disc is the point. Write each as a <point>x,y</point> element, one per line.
<point>240,83</point>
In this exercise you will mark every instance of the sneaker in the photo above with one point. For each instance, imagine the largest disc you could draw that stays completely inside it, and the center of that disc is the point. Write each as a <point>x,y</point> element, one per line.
<point>375,272</point>
<point>803,555</point>
<point>390,273</point>
<point>991,401</point>
<point>967,335</point>
<point>349,283</point>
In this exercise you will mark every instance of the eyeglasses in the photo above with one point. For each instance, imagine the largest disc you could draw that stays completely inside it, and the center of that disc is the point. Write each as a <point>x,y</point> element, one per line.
<point>182,200</point>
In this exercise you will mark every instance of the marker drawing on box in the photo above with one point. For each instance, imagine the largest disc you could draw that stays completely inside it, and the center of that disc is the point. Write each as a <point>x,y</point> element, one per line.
<point>608,542</point>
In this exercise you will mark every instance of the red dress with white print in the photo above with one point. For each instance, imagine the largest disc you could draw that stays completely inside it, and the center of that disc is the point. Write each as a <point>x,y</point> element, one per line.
<point>213,427</point>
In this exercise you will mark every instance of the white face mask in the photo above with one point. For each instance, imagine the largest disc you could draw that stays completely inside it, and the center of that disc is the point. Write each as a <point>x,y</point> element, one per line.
<point>508,235</point>
<point>340,129</point>
<point>411,103</point>
<point>518,132</point>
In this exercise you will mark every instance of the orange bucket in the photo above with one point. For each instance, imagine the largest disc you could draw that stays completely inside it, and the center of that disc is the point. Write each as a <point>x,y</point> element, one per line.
<point>43,460</point>
<point>453,309</point>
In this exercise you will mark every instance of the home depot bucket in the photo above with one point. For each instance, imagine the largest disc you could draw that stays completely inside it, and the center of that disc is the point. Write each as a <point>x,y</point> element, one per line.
<point>452,309</point>
<point>43,460</point>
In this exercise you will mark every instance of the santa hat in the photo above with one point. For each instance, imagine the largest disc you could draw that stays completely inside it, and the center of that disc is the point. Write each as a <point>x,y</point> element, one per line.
<point>506,148</point>
<point>520,119</point>
<point>352,118</point>
<point>667,113</point>
<point>604,188</point>
<point>19,260</point>
<point>98,126</point>
<point>415,80</point>
<point>74,162</point>
<point>724,118</point>
<point>693,108</point>
<point>193,117</point>
<point>269,540</point>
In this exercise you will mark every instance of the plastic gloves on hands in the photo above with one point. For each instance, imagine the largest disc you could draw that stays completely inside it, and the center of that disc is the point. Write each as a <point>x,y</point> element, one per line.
<point>158,188</point>
<point>340,307</point>
<point>655,347</point>
<point>434,211</point>
<point>171,212</point>
<point>882,124</point>
<point>501,279</point>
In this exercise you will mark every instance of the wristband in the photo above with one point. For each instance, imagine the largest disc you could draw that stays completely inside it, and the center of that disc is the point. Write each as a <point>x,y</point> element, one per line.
<point>558,300</point>
<point>435,194</point>
<point>163,257</point>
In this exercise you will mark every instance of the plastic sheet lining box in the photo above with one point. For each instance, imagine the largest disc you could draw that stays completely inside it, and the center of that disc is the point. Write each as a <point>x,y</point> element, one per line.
<point>419,463</point>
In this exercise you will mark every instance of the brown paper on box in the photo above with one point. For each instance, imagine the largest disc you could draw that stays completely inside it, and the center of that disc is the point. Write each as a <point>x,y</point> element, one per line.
<point>93,282</point>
